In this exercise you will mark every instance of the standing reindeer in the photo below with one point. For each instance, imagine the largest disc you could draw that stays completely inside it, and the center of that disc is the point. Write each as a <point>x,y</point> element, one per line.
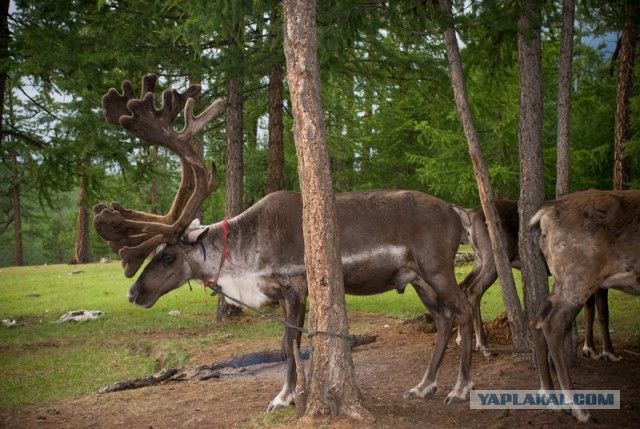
<point>484,274</point>
<point>388,239</point>
<point>591,241</point>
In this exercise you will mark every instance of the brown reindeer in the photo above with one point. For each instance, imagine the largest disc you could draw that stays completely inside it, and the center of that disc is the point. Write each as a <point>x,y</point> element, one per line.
<point>388,239</point>
<point>484,274</point>
<point>591,241</point>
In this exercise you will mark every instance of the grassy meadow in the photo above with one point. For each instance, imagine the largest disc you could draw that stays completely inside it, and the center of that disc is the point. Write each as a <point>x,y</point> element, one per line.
<point>42,361</point>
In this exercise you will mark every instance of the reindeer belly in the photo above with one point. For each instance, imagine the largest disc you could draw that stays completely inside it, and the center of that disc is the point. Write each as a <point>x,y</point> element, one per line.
<point>376,270</point>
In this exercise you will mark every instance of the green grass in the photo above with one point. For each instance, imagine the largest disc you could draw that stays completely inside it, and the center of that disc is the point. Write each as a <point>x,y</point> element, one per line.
<point>43,361</point>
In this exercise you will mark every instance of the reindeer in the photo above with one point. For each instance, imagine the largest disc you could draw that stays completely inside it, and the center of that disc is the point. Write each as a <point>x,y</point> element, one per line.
<point>591,241</point>
<point>484,274</point>
<point>388,239</point>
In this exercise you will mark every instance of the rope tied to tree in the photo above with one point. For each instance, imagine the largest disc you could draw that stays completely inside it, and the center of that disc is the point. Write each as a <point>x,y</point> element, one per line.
<point>217,289</point>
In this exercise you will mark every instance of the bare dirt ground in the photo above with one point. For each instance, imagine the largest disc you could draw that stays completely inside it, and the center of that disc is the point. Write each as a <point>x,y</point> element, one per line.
<point>385,370</point>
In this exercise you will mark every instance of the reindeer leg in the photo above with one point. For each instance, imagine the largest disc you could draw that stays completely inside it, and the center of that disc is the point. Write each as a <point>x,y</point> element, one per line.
<point>475,297</point>
<point>589,350</point>
<point>467,285</point>
<point>555,327</point>
<point>475,285</point>
<point>463,312</point>
<point>429,384</point>
<point>602,306</point>
<point>542,348</point>
<point>293,307</point>
<point>444,320</point>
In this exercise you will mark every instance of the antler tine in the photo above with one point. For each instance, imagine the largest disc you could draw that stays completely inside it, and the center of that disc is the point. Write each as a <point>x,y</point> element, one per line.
<point>115,105</point>
<point>133,234</point>
<point>195,124</point>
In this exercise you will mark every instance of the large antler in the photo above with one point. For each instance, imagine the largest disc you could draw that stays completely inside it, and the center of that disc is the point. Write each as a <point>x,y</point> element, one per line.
<point>133,235</point>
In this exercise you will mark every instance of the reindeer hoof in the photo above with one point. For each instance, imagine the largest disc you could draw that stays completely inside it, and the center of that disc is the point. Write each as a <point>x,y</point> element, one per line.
<point>418,392</point>
<point>583,416</point>
<point>410,395</point>
<point>610,357</point>
<point>452,400</point>
<point>280,402</point>
<point>274,407</point>
<point>590,353</point>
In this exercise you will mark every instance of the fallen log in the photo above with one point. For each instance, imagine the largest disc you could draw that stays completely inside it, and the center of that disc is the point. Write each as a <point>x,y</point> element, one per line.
<point>206,372</point>
<point>137,383</point>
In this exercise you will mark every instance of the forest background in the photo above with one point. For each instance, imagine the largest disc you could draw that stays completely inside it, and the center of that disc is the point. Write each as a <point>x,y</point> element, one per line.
<point>390,117</point>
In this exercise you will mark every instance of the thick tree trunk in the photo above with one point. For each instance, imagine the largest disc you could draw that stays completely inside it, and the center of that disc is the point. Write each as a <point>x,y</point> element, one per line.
<point>534,273</point>
<point>621,173</point>
<point>503,266</point>
<point>275,180</point>
<point>235,148</point>
<point>332,388</point>
<point>235,168</point>
<point>564,99</point>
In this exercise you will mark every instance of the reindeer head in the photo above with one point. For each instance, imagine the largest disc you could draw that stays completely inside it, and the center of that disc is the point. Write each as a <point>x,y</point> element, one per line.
<point>133,235</point>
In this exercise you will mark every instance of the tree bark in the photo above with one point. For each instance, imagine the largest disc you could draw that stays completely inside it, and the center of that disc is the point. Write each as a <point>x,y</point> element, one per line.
<point>235,148</point>
<point>564,99</point>
<point>82,249</point>
<point>564,137</point>
<point>17,214</point>
<point>235,162</point>
<point>487,199</point>
<point>5,38</point>
<point>621,167</point>
<point>275,180</point>
<point>534,272</point>
<point>332,387</point>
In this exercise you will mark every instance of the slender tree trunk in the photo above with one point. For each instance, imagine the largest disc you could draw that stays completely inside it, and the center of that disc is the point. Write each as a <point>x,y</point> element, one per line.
<point>564,99</point>
<point>17,214</point>
<point>275,180</point>
<point>82,249</point>
<point>235,145</point>
<point>621,173</point>
<point>332,388</point>
<point>487,199</point>
<point>534,272</point>
<point>4,49</point>
<point>564,137</point>
<point>235,160</point>
<point>15,184</point>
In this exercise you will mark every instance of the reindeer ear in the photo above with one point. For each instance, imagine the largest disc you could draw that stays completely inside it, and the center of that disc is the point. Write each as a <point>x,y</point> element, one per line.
<point>194,233</point>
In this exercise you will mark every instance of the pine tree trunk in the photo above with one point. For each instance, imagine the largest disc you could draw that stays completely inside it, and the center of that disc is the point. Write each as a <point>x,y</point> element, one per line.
<point>5,39</point>
<point>564,137</point>
<point>82,250</point>
<point>235,165</point>
<point>275,180</point>
<point>503,266</point>
<point>534,273</point>
<point>235,148</point>
<point>564,99</point>
<point>332,388</point>
<point>17,214</point>
<point>621,173</point>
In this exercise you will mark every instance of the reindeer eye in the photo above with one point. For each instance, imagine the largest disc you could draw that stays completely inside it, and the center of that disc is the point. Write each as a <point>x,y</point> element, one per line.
<point>168,259</point>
